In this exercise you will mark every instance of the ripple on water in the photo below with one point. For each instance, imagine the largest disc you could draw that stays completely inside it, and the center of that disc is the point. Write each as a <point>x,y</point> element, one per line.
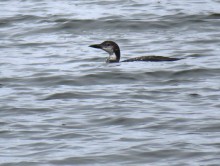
<point>61,104</point>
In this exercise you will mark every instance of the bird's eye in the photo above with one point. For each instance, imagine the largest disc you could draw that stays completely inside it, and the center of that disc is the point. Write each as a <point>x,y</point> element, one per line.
<point>108,44</point>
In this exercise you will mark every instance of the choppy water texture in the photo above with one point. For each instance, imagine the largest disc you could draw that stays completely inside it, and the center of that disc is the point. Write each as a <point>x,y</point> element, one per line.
<point>61,104</point>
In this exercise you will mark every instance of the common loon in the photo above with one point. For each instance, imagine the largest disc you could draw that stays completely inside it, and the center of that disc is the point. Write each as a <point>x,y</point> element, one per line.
<point>114,54</point>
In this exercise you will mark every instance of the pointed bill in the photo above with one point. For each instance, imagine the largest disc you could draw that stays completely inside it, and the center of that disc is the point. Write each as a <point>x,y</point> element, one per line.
<point>95,46</point>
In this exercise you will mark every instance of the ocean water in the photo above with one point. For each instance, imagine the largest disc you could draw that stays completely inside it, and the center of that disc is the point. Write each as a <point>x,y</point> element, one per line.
<point>61,104</point>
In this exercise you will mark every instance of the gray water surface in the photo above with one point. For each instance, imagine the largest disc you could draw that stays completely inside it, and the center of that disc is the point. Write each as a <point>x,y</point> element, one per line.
<point>61,104</point>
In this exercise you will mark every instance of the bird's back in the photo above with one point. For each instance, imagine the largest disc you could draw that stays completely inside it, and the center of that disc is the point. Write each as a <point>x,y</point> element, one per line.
<point>151,59</point>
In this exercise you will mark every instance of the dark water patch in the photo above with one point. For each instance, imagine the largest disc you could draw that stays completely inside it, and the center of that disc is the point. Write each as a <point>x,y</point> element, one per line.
<point>69,136</point>
<point>130,156</point>
<point>11,81</point>
<point>185,20</point>
<point>5,133</point>
<point>214,16</point>
<point>198,72</point>
<point>50,80</point>
<point>81,95</point>
<point>27,111</point>
<point>165,22</point>
<point>184,17</point>
<point>4,23</point>
<point>58,81</point>
<point>204,41</point>
<point>19,18</point>
<point>196,55</point>
<point>2,123</point>
<point>103,78</point>
<point>75,160</point>
<point>210,127</point>
<point>159,74</point>
<point>87,25</point>
<point>46,29</point>
<point>79,24</point>
<point>61,20</point>
<point>67,95</point>
<point>121,121</point>
<point>97,158</point>
<point>137,24</point>
<point>213,144</point>
<point>170,155</point>
<point>34,44</point>
<point>216,105</point>
<point>194,95</point>
<point>191,17</point>
<point>23,163</point>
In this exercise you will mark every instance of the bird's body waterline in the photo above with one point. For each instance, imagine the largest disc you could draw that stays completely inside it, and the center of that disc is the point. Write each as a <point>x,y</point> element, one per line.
<point>114,54</point>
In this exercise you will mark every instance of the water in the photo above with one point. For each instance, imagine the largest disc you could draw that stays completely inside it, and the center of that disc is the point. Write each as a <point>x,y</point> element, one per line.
<point>61,104</point>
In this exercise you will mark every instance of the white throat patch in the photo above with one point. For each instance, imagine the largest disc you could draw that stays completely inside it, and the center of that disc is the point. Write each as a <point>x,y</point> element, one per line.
<point>112,57</point>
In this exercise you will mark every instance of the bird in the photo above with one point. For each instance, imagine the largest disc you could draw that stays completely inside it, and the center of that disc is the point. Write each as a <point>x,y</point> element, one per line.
<point>113,50</point>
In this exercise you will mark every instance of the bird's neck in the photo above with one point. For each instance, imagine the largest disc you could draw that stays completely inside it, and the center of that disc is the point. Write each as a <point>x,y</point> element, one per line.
<point>114,57</point>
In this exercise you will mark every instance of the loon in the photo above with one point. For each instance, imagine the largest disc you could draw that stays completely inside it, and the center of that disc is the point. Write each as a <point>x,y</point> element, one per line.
<point>114,54</point>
